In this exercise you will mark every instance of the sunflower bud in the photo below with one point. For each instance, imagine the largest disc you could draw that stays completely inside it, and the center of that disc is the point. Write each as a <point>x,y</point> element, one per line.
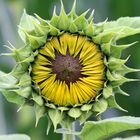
<point>69,66</point>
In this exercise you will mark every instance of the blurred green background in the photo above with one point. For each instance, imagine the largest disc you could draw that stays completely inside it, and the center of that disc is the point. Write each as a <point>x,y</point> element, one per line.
<point>10,13</point>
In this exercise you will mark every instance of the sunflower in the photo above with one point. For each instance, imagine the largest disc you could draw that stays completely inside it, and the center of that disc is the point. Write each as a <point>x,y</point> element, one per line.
<point>72,65</point>
<point>69,67</point>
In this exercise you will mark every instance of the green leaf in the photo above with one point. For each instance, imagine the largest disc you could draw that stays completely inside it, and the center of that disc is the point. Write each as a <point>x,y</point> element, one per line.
<point>105,128</point>
<point>14,137</point>
<point>129,138</point>
<point>118,29</point>
<point>126,26</point>
<point>7,81</point>
<point>132,22</point>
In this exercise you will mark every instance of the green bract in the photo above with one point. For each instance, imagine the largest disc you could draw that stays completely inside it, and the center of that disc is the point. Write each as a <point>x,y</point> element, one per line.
<point>18,87</point>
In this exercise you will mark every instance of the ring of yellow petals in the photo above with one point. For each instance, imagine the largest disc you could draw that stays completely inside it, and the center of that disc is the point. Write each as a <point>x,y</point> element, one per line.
<point>84,89</point>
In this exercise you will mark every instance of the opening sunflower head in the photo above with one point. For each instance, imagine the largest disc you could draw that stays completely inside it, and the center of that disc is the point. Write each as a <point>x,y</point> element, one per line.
<point>69,70</point>
<point>69,67</point>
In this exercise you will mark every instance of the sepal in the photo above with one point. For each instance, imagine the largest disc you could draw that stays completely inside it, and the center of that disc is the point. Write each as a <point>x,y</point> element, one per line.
<point>100,106</point>
<point>7,81</point>
<point>39,112</point>
<point>124,70</point>
<point>40,30</point>
<point>117,49</point>
<point>73,28</point>
<point>104,37</point>
<point>120,91</point>
<point>106,48</point>
<point>91,17</point>
<point>115,63</point>
<point>113,104</point>
<point>84,117</point>
<point>35,41</point>
<point>54,19</point>
<point>90,29</point>
<point>86,107</point>
<point>72,15</point>
<point>75,113</point>
<point>117,79</point>
<point>56,117</point>
<point>13,97</point>
<point>26,23</point>
<point>63,21</point>
<point>37,98</point>
<point>54,31</point>
<point>81,21</point>
<point>107,91</point>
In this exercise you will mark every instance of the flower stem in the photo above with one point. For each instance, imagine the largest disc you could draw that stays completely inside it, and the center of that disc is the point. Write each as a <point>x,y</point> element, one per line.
<point>67,136</point>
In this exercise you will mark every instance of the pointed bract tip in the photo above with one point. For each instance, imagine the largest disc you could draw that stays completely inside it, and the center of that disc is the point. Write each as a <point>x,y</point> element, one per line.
<point>90,19</point>
<point>73,6</point>
<point>62,4</point>
<point>54,11</point>
<point>85,13</point>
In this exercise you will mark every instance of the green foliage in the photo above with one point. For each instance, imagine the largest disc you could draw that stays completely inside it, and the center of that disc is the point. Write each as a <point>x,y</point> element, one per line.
<point>105,128</point>
<point>130,138</point>
<point>14,137</point>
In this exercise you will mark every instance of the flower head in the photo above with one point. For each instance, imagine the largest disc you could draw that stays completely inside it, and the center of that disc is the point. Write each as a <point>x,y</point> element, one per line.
<point>69,70</point>
<point>69,66</point>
